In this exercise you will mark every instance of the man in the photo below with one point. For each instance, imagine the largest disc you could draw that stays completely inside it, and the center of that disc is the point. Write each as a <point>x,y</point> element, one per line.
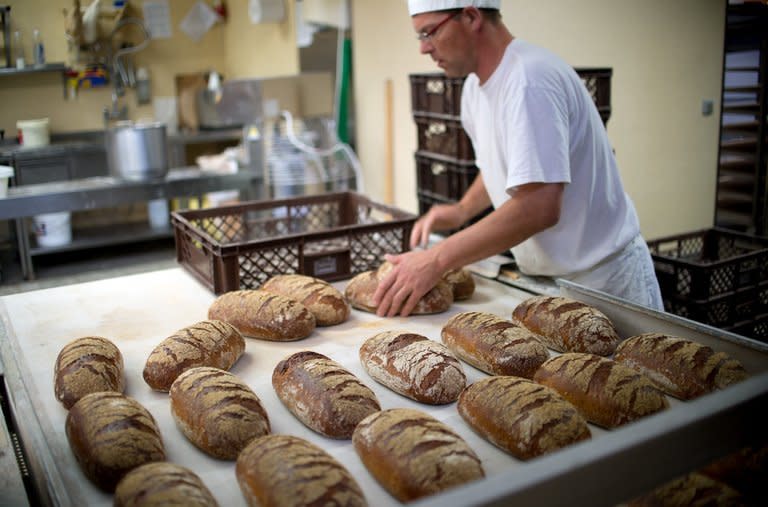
<point>545,164</point>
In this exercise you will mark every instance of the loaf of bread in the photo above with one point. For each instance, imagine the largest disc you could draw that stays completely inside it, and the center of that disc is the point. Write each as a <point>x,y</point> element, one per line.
<point>414,366</point>
<point>360,290</point>
<point>325,302</point>
<point>288,471</point>
<point>692,489</point>
<point>494,345</point>
<point>413,455</point>
<point>87,365</point>
<point>744,470</point>
<point>522,417</point>
<point>462,283</point>
<point>567,325</point>
<point>162,484</point>
<point>110,434</point>
<point>208,343</point>
<point>260,314</point>
<point>217,411</point>
<point>322,394</point>
<point>606,393</point>
<point>680,367</point>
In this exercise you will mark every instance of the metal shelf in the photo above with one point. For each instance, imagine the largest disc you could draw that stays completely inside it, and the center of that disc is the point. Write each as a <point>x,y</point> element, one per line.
<point>33,69</point>
<point>95,237</point>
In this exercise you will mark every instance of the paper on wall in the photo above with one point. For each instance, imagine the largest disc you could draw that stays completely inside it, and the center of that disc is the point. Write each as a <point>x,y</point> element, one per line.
<point>266,11</point>
<point>157,18</point>
<point>198,20</point>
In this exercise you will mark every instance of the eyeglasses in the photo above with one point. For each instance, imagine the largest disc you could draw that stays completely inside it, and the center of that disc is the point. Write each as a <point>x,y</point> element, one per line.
<point>429,34</point>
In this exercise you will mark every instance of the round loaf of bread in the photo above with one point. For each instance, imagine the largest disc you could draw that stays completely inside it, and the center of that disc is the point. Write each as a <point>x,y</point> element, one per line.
<point>606,393</point>
<point>288,471</point>
<point>263,315</point>
<point>494,345</point>
<point>413,455</point>
<point>87,365</point>
<point>680,367</point>
<point>691,489</point>
<point>322,394</point>
<point>360,290</point>
<point>162,484</point>
<point>524,418</point>
<point>110,434</point>
<point>208,343</point>
<point>461,282</point>
<point>325,302</point>
<point>567,325</point>
<point>217,411</point>
<point>414,366</point>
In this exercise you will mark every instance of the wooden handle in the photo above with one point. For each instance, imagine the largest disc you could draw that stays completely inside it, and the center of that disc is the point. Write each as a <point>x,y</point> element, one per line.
<point>389,164</point>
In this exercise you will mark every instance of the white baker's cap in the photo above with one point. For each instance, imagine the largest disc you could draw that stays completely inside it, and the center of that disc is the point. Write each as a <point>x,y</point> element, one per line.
<point>419,6</point>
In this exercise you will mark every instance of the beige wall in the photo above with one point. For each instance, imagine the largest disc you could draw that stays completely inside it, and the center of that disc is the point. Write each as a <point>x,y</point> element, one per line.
<point>666,57</point>
<point>236,48</point>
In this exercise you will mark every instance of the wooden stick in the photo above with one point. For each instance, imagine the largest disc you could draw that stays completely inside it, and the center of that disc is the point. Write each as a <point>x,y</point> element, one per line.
<point>389,162</point>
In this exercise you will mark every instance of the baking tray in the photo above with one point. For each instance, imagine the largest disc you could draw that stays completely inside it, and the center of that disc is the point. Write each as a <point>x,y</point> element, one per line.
<point>138,311</point>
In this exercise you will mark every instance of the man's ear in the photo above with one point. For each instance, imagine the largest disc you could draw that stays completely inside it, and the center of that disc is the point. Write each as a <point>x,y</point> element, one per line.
<point>474,16</point>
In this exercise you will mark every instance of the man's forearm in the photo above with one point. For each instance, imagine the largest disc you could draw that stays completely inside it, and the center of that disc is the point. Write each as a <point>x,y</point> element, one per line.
<point>475,200</point>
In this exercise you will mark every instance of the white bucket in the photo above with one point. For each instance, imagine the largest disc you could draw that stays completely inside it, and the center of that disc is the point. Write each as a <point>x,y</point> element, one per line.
<point>6,172</point>
<point>159,216</point>
<point>34,132</point>
<point>53,229</point>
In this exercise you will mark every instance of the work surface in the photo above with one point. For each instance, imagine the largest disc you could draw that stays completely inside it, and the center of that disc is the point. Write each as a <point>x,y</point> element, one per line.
<point>138,312</point>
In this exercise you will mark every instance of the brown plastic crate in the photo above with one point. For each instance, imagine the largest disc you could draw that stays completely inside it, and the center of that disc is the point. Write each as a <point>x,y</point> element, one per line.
<point>443,135</point>
<point>436,93</point>
<point>331,236</point>
<point>598,83</point>
<point>443,177</point>
<point>426,201</point>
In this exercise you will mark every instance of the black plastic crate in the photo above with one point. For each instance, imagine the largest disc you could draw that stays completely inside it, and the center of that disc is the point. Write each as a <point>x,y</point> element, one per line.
<point>443,135</point>
<point>598,83</point>
<point>443,177</point>
<point>756,328</point>
<point>724,311</point>
<point>436,93</point>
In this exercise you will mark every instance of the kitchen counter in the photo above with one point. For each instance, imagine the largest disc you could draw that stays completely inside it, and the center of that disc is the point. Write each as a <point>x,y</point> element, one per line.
<point>138,311</point>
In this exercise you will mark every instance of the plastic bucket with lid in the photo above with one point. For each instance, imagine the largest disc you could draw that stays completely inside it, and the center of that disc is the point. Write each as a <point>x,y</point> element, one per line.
<point>34,132</point>
<point>53,229</point>
<point>6,172</point>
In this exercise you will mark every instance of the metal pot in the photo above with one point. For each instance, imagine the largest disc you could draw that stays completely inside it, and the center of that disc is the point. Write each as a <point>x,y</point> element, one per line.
<point>137,152</point>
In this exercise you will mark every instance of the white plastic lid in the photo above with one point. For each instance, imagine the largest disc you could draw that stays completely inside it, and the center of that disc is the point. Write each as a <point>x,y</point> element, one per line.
<point>41,122</point>
<point>6,171</point>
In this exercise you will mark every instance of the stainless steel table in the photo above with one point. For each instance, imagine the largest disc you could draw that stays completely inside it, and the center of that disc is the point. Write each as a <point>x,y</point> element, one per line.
<point>101,192</point>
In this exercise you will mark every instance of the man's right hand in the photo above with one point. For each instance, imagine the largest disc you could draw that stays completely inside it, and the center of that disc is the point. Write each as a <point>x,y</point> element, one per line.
<point>440,217</point>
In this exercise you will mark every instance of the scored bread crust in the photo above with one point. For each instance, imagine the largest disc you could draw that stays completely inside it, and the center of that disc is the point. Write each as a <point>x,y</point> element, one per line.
<point>682,368</point>
<point>567,325</point>
<point>87,365</point>
<point>462,283</point>
<point>161,484</point>
<point>261,314</point>
<point>208,343</point>
<point>606,393</point>
<point>494,345</point>
<point>325,302</point>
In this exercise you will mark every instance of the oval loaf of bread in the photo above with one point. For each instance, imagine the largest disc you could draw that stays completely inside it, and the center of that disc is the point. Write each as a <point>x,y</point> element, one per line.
<point>522,417</point>
<point>494,345</point>
<point>567,325</point>
<point>606,393</point>
<point>260,314</point>
<point>110,434</point>
<point>208,343</point>
<point>360,290</point>
<point>87,365</point>
<point>162,484</point>
<point>288,471</point>
<point>682,368</point>
<point>689,490</point>
<point>413,455</point>
<point>325,302</point>
<point>414,366</point>
<point>217,411</point>
<point>462,283</point>
<point>322,394</point>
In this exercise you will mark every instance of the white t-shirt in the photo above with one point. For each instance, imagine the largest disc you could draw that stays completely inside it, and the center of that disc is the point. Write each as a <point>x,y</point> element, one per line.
<point>534,121</point>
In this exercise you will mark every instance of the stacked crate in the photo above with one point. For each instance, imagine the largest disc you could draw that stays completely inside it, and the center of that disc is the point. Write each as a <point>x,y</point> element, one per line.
<point>445,160</point>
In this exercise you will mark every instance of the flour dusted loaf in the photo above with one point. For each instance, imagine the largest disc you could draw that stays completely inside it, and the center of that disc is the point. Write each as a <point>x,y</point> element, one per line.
<point>110,434</point>
<point>325,302</point>
<point>462,283</point>
<point>87,365</point>
<point>522,417</point>
<point>494,345</point>
<point>217,411</point>
<point>162,484</point>
<point>261,314</point>
<point>208,343</point>
<point>322,394</point>
<point>606,393</point>
<point>567,325</point>
<point>414,366</point>
<point>680,367</point>
<point>692,489</point>
<point>288,471</point>
<point>413,455</point>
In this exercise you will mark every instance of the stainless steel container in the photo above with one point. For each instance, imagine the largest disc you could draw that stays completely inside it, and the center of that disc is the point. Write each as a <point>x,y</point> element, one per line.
<point>137,151</point>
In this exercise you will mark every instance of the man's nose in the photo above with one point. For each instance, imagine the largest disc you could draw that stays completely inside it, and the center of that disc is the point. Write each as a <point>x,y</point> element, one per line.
<point>425,46</point>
